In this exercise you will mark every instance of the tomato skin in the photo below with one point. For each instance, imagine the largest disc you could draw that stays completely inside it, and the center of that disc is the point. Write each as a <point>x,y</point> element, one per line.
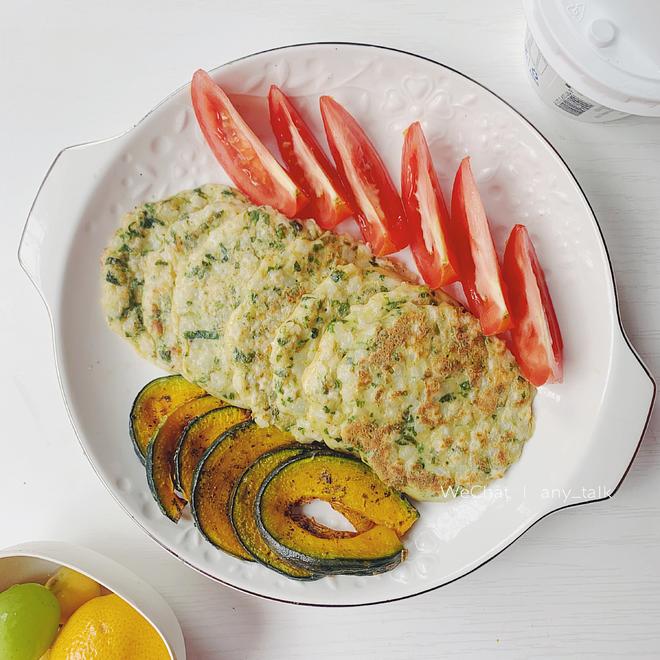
<point>476,258</point>
<point>536,339</point>
<point>372,195</point>
<point>426,212</point>
<point>307,164</point>
<point>245,159</point>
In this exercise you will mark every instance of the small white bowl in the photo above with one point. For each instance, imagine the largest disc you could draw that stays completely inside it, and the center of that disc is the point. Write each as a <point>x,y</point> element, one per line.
<point>38,560</point>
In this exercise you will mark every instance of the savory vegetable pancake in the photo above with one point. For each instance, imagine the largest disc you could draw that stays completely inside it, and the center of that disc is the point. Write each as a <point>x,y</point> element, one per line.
<point>296,340</point>
<point>269,297</point>
<point>320,386</point>
<point>144,231</point>
<point>161,266</point>
<point>419,393</point>
<point>211,283</point>
<point>317,337</point>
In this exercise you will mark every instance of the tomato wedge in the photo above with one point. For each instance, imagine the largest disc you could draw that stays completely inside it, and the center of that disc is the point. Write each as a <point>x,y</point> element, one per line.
<point>374,198</point>
<point>476,259</point>
<point>428,219</point>
<point>535,336</point>
<point>248,163</point>
<point>308,166</point>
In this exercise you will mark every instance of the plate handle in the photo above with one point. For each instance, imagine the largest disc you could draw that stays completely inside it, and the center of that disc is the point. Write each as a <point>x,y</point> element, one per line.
<point>629,397</point>
<point>63,195</point>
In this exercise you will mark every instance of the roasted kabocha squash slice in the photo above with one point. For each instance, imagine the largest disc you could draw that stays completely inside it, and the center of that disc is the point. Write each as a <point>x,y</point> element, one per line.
<point>243,515</point>
<point>349,486</point>
<point>198,436</point>
<point>161,449</point>
<point>155,401</point>
<point>242,512</point>
<point>221,467</point>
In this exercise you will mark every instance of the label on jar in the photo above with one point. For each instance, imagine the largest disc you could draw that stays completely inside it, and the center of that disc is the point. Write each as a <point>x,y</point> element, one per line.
<point>556,91</point>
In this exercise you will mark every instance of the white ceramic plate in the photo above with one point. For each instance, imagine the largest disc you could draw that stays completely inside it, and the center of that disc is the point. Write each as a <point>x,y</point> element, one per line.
<point>588,428</point>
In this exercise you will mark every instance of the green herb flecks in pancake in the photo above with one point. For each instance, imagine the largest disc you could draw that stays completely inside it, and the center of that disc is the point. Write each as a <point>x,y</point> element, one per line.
<point>161,267</point>
<point>272,293</point>
<point>296,340</point>
<point>212,282</point>
<point>420,394</point>
<point>318,338</point>
<point>143,232</point>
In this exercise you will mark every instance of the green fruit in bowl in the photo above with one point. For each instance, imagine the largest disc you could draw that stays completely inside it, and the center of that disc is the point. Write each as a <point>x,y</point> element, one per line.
<point>29,619</point>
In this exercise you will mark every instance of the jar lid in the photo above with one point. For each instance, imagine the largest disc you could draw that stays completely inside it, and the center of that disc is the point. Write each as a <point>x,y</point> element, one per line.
<point>607,49</point>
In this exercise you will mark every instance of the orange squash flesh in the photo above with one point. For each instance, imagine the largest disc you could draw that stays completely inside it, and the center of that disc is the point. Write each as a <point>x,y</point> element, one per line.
<point>155,401</point>
<point>160,454</point>
<point>349,486</point>
<point>242,512</point>
<point>217,473</point>
<point>197,438</point>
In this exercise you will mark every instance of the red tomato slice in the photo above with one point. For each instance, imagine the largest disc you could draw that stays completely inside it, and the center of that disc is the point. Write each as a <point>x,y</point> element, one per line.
<point>476,259</point>
<point>428,219</point>
<point>243,156</point>
<point>535,336</point>
<point>374,198</point>
<point>308,166</point>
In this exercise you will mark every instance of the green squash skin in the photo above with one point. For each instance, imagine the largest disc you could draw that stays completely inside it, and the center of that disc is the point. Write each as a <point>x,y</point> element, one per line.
<point>131,427</point>
<point>29,621</point>
<point>149,466</point>
<point>200,466</point>
<point>336,566</point>
<point>286,453</point>
<point>176,476</point>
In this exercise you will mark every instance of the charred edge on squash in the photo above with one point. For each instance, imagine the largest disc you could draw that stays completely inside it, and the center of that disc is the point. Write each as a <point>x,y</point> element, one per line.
<point>232,501</point>
<point>335,566</point>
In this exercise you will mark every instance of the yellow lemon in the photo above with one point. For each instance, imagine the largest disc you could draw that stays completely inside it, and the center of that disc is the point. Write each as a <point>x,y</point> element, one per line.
<point>72,589</point>
<point>108,628</point>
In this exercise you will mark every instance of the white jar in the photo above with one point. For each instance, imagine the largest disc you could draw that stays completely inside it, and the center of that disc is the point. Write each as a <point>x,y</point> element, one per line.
<point>595,60</point>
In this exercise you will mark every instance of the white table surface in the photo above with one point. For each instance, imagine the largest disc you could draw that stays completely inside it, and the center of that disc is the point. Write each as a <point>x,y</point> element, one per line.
<point>583,582</point>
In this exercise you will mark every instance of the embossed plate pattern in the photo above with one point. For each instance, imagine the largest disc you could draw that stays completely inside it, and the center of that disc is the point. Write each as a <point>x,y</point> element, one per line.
<point>588,428</point>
